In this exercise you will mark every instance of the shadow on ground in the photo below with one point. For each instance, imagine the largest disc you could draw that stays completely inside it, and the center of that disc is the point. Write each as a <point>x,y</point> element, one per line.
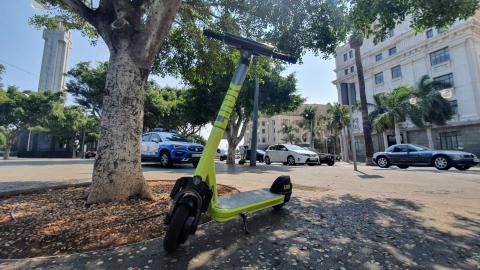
<point>331,232</point>
<point>220,168</point>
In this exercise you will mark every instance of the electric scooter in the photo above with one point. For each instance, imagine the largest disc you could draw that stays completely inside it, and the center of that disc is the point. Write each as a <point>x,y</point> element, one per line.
<point>192,196</point>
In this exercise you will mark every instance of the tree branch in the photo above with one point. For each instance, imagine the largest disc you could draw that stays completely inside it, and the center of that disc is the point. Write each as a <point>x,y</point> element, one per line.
<point>81,9</point>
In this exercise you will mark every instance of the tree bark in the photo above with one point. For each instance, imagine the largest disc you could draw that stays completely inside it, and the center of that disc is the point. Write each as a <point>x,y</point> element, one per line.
<point>385,139</point>
<point>234,136</point>
<point>367,126</point>
<point>430,137</point>
<point>117,173</point>
<point>6,154</point>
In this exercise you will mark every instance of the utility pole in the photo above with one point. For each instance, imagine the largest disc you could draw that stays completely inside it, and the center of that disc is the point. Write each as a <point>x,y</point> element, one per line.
<point>253,144</point>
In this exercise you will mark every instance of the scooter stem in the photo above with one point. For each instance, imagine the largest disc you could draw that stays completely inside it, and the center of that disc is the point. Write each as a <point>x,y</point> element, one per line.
<point>206,166</point>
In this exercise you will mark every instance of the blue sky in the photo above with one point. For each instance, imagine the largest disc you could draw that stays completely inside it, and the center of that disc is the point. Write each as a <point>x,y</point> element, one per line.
<point>21,49</point>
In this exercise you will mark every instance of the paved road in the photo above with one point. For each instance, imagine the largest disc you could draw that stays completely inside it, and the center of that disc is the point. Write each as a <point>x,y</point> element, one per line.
<point>339,219</point>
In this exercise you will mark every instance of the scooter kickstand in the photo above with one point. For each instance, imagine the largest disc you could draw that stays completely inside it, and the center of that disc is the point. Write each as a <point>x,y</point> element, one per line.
<point>244,219</point>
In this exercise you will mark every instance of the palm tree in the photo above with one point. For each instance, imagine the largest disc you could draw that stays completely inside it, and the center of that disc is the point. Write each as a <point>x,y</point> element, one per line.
<point>396,108</point>
<point>289,132</point>
<point>308,115</point>
<point>338,119</point>
<point>356,41</point>
<point>381,121</point>
<point>434,109</point>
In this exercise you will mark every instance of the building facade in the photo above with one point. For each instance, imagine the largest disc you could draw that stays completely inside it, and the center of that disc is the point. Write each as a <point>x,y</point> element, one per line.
<point>269,129</point>
<point>451,55</point>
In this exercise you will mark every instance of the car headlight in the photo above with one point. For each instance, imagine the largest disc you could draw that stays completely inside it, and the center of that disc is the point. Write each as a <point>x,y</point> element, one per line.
<point>177,146</point>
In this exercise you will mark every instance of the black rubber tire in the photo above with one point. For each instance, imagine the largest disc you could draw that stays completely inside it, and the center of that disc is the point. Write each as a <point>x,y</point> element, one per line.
<point>382,164</point>
<point>312,164</point>
<point>175,231</point>
<point>278,207</point>
<point>331,163</point>
<point>241,162</point>
<point>167,163</point>
<point>462,167</point>
<point>403,166</point>
<point>289,162</point>
<point>436,163</point>
<point>267,160</point>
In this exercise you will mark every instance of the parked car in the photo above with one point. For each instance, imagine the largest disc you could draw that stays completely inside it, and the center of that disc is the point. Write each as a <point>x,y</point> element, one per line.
<point>221,154</point>
<point>90,154</point>
<point>260,156</point>
<point>324,158</point>
<point>290,154</point>
<point>169,147</point>
<point>405,155</point>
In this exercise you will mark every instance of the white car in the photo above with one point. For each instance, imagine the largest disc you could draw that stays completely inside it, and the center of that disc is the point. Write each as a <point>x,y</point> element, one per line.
<point>290,154</point>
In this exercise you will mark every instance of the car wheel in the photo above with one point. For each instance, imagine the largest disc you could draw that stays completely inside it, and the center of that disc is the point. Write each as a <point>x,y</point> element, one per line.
<point>403,166</point>
<point>311,164</point>
<point>267,160</point>
<point>291,160</point>
<point>462,167</point>
<point>331,163</point>
<point>383,162</point>
<point>165,160</point>
<point>441,163</point>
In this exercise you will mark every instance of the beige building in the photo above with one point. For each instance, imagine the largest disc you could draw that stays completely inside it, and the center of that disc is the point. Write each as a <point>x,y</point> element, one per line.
<point>270,127</point>
<point>451,55</point>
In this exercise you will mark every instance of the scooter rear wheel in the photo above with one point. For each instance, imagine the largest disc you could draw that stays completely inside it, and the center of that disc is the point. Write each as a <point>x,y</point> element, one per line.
<point>176,232</point>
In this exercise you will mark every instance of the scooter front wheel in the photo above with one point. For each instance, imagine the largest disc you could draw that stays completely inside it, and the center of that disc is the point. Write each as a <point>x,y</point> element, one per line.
<point>176,232</point>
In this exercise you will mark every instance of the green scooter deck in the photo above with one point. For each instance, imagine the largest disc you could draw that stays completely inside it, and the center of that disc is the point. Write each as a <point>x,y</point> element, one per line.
<point>246,198</point>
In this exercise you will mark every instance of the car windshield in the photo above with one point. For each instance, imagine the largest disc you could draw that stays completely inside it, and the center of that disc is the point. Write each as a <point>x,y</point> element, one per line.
<point>419,147</point>
<point>294,147</point>
<point>173,137</point>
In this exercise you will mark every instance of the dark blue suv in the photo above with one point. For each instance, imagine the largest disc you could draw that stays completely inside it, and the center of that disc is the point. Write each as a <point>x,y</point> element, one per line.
<point>169,147</point>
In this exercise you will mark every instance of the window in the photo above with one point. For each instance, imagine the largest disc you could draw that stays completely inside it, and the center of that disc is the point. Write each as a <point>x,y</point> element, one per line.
<point>273,122</point>
<point>146,138</point>
<point>155,138</point>
<point>358,146</point>
<point>263,123</point>
<point>352,69</point>
<point>379,78</point>
<point>439,56</point>
<point>441,30</point>
<point>263,140</point>
<point>350,54</point>
<point>396,72</point>
<point>454,106</point>
<point>390,33</point>
<point>345,57</point>
<point>429,33</point>
<point>451,140</point>
<point>392,51</point>
<point>378,57</point>
<point>263,131</point>
<point>346,71</point>
<point>355,123</point>
<point>447,79</point>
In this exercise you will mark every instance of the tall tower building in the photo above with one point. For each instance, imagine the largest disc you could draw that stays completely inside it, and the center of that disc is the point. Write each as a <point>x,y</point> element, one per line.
<point>54,61</point>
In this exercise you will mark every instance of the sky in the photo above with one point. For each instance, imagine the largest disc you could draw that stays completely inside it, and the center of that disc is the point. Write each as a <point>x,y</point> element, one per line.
<point>21,47</point>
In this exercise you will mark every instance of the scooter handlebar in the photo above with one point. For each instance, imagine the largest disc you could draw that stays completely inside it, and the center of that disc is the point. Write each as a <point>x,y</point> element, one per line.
<point>254,46</point>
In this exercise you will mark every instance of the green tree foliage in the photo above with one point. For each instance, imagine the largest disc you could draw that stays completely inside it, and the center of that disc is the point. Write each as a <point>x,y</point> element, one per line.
<point>67,127</point>
<point>87,85</point>
<point>377,17</point>
<point>289,134</point>
<point>20,110</point>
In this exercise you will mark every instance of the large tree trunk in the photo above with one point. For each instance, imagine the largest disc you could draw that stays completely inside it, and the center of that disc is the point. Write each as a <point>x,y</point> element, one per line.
<point>367,126</point>
<point>231,153</point>
<point>430,137</point>
<point>6,154</point>
<point>235,131</point>
<point>117,173</point>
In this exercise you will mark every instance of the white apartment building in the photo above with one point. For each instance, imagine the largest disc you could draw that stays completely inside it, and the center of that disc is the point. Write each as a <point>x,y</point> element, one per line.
<point>451,55</point>
<point>269,129</point>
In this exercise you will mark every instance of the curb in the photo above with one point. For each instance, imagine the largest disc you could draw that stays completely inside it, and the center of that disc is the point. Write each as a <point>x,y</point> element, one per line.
<point>5,194</point>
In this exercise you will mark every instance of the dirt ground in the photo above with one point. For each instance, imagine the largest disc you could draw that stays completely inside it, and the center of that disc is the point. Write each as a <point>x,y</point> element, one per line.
<point>57,221</point>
